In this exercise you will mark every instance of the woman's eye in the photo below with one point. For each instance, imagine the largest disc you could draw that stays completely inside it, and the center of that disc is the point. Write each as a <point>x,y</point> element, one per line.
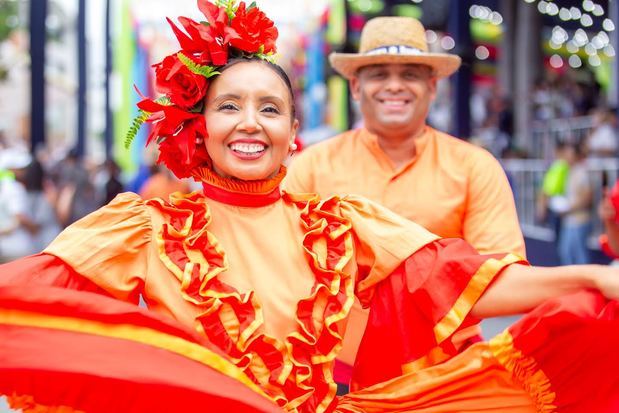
<point>270,109</point>
<point>227,106</point>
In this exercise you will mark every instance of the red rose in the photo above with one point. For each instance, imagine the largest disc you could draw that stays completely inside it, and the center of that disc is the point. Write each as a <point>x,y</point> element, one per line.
<point>205,44</point>
<point>181,85</point>
<point>254,30</point>
<point>176,131</point>
<point>171,155</point>
<point>193,44</point>
<point>217,31</point>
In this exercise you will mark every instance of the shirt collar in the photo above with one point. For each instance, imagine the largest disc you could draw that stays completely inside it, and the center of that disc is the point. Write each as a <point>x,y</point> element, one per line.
<point>371,141</point>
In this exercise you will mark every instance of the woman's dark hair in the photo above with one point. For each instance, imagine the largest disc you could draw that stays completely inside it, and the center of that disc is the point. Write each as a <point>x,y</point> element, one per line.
<point>275,67</point>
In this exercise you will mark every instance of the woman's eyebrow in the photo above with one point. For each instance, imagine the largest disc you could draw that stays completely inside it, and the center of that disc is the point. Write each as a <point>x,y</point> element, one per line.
<point>227,96</point>
<point>271,98</point>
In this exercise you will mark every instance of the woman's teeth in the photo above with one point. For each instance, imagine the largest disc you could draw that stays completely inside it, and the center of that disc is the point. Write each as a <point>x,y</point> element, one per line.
<point>247,147</point>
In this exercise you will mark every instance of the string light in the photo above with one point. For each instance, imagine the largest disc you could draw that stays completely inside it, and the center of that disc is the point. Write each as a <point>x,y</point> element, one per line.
<point>586,20</point>
<point>594,60</point>
<point>486,14</point>
<point>575,61</point>
<point>556,61</point>
<point>609,51</point>
<point>575,12</point>
<point>431,36</point>
<point>482,52</point>
<point>448,43</point>
<point>585,15</point>
<point>608,25</point>
<point>552,9</point>
<point>598,10</point>
<point>590,49</point>
<point>572,47</point>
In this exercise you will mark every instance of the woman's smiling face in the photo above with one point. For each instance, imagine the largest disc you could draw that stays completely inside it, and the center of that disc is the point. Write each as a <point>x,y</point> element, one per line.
<point>250,121</point>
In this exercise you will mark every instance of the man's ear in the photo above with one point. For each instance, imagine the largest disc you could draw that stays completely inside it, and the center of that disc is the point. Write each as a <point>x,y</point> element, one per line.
<point>432,86</point>
<point>355,87</point>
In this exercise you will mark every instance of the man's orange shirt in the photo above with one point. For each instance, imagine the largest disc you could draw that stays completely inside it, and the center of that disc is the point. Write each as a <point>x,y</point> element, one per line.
<point>451,187</point>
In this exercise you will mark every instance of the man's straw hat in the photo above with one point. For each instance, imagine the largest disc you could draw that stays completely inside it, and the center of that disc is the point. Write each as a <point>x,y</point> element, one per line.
<point>387,40</point>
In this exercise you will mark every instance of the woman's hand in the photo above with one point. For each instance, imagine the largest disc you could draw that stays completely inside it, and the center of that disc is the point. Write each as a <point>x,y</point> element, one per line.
<point>606,279</point>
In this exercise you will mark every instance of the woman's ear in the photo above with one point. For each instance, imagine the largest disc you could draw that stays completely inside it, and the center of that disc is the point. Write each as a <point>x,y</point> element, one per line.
<point>295,128</point>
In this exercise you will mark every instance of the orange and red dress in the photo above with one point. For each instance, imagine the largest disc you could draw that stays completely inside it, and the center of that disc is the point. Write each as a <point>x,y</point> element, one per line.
<point>260,284</point>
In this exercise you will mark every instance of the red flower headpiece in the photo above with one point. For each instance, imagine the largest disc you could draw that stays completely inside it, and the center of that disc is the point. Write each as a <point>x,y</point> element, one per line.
<point>182,78</point>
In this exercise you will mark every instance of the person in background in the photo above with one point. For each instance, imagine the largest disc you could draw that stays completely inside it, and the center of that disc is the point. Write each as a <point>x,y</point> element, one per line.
<point>40,209</point>
<point>16,223</point>
<point>608,211</point>
<point>113,185</point>
<point>575,208</point>
<point>162,183</point>
<point>553,185</point>
<point>74,195</point>
<point>603,141</point>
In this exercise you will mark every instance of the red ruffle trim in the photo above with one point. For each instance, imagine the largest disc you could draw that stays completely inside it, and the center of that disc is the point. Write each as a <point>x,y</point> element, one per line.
<point>564,353</point>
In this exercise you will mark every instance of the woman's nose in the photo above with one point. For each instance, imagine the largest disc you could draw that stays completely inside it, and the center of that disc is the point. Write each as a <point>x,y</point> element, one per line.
<point>249,122</point>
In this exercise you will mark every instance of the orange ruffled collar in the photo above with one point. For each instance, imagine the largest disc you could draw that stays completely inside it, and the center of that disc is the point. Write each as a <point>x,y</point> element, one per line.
<point>238,192</point>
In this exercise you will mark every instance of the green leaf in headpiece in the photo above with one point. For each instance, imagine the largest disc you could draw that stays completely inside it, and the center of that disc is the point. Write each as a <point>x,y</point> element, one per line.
<point>228,5</point>
<point>136,123</point>
<point>206,71</point>
<point>269,57</point>
<point>139,120</point>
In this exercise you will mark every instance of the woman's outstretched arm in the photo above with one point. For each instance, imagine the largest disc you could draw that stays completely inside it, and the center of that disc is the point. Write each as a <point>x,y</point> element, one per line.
<point>520,288</point>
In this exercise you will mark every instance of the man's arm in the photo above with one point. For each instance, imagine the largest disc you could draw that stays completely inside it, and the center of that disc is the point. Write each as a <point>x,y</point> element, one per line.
<point>490,220</point>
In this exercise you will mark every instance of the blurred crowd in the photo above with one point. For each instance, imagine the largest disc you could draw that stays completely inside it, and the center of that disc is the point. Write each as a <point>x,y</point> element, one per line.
<point>552,98</point>
<point>39,196</point>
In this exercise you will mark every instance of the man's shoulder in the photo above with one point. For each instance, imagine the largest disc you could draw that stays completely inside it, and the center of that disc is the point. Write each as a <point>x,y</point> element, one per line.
<point>462,149</point>
<point>330,147</point>
<point>335,142</point>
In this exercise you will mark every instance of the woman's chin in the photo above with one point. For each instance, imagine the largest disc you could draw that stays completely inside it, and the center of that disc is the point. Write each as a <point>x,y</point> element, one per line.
<point>246,171</point>
<point>253,175</point>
